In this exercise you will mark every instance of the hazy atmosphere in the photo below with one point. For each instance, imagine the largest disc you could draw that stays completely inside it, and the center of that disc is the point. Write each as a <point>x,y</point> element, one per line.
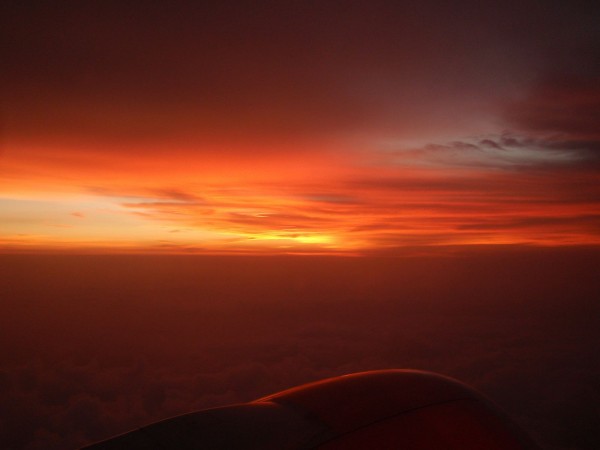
<point>205,202</point>
<point>96,345</point>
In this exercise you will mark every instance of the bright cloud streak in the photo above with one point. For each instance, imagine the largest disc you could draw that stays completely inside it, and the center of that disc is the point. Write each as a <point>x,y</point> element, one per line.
<point>493,191</point>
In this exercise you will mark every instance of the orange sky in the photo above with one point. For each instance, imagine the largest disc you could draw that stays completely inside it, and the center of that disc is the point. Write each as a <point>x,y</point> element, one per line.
<point>328,201</point>
<point>273,133</point>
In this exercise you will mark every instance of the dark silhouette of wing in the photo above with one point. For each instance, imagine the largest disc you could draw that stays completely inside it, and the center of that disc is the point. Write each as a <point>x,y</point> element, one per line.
<point>387,409</point>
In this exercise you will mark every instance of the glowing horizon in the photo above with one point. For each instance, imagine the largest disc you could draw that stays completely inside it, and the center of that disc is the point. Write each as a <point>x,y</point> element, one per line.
<point>329,129</point>
<point>494,190</point>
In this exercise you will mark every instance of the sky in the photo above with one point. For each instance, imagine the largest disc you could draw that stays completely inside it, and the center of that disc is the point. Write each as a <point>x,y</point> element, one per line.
<point>346,128</point>
<point>202,203</point>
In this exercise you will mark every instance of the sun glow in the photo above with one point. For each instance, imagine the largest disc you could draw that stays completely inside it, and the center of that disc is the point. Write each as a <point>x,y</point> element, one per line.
<point>292,238</point>
<point>368,201</point>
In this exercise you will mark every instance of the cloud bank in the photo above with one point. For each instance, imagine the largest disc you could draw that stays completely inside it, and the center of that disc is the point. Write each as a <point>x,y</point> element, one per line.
<point>93,346</point>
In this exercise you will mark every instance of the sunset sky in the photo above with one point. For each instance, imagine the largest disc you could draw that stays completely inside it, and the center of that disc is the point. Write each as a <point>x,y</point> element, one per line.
<point>435,163</point>
<point>340,127</point>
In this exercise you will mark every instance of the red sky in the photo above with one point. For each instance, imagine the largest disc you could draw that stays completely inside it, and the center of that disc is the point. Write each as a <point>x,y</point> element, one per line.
<point>298,127</point>
<point>412,129</point>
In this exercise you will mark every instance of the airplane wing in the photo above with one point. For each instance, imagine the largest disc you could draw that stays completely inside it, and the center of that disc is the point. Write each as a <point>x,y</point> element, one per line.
<point>386,409</point>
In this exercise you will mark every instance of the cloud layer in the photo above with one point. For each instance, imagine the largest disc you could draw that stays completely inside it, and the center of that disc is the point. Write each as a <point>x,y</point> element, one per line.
<point>93,346</point>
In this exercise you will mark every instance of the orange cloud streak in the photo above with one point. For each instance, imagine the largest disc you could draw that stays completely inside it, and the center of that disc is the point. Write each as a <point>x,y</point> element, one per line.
<point>311,200</point>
